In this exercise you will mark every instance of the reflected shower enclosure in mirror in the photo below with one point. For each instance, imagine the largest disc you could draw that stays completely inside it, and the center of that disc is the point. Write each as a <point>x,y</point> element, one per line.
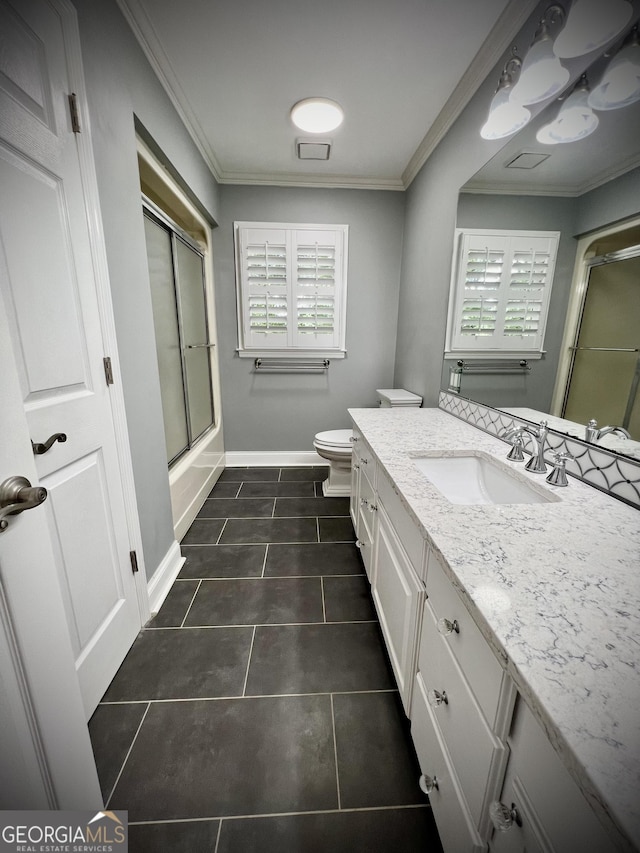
<point>589,191</point>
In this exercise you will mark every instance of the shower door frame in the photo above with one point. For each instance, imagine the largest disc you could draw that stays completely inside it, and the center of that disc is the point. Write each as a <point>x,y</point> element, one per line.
<point>576,305</point>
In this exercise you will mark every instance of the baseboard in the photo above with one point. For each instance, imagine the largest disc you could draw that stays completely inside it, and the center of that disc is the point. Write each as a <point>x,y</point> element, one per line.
<point>164,576</point>
<point>274,458</point>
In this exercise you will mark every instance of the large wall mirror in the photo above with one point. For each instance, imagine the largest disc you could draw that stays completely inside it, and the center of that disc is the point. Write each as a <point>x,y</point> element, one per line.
<point>590,192</point>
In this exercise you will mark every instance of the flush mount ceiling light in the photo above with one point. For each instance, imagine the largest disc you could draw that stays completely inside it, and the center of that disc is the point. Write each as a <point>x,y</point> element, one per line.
<point>505,116</point>
<point>542,76</point>
<point>575,120</point>
<point>317,115</point>
<point>620,85</point>
<point>590,25</point>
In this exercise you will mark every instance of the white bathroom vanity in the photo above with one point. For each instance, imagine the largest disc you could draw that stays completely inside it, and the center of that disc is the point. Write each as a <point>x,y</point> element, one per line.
<point>513,631</point>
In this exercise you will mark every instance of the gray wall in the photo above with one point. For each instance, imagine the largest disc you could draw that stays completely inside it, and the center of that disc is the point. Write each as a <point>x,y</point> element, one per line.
<point>539,213</point>
<point>272,412</point>
<point>617,200</point>
<point>120,83</point>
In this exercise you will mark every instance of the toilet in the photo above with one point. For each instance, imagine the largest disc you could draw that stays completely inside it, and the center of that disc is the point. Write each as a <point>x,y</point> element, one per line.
<point>335,445</point>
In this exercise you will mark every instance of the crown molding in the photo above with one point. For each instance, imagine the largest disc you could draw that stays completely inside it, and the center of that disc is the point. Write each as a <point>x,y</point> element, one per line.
<point>144,32</point>
<point>595,181</point>
<point>284,179</point>
<point>506,28</point>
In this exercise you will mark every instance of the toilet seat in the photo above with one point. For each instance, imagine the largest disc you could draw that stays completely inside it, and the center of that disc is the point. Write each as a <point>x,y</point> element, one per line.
<point>336,439</point>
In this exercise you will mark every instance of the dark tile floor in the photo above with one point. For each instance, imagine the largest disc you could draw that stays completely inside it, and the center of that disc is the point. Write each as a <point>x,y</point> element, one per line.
<point>257,711</point>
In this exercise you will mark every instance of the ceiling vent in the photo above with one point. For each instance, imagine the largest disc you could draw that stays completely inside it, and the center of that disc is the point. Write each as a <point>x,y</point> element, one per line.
<point>312,149</point>
<point>527,160</point>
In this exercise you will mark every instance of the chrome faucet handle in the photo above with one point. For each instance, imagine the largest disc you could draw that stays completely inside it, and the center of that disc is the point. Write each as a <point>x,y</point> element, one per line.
<point>539,435</point>
<point>516,436</point>
<point>591,430</point>
<point>558,477</point>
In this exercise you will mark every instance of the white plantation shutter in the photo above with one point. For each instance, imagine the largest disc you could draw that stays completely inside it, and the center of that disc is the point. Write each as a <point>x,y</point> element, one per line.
<point>291,288</point>
<point>501,292</point>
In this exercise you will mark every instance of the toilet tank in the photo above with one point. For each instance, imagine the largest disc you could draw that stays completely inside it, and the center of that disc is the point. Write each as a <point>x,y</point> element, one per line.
<point>391,398</point>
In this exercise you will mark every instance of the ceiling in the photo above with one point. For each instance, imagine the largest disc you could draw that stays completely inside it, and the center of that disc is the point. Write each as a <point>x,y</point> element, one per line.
<point>401,69</point>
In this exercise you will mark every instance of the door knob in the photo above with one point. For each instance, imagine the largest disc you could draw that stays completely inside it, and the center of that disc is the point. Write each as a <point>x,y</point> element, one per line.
<point>16,495</point>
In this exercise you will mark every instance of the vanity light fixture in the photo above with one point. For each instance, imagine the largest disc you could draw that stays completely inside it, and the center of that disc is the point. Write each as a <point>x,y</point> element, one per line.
<point>590,25</point>
<point>620,85</point>
<point>575,120</point>
<point>317,115</point>
<point>505,116</point>
<point>542,76</point>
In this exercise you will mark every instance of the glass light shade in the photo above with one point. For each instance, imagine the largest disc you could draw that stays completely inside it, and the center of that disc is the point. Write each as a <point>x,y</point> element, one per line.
<point>317,115</point>
<point>505,116</point>
<point>575,120</point>
<point>620,84</point>
<point>590,25</point>
<point>542,75</point>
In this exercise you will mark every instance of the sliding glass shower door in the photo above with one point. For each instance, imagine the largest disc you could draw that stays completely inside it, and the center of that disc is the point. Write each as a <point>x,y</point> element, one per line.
<point>178,293</point>
<point>605,375</point>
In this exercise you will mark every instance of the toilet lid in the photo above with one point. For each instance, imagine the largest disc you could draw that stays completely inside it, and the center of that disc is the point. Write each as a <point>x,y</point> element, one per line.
<point>399,397</point>
<point>335,437</point>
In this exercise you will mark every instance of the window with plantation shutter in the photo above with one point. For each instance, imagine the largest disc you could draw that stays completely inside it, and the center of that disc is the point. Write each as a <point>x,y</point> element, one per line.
<point>500,291</point>
<point>292,287</point>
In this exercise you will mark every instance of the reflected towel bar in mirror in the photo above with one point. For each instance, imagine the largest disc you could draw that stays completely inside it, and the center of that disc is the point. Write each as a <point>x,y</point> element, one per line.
<point>273,365</point>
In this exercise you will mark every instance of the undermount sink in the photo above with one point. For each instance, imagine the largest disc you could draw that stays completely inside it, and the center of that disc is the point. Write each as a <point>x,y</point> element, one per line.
<point>477,478</point>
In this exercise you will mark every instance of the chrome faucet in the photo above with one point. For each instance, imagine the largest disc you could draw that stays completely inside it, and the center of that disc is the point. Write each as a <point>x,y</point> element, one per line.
<point>593,433</point>
<point>538,436</point>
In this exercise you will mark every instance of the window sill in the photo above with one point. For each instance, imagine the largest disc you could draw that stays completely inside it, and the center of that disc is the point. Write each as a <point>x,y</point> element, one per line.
<point>296,354</point>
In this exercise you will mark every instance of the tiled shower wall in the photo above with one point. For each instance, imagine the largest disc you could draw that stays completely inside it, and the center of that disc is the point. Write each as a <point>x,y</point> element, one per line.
<point>617,475</point>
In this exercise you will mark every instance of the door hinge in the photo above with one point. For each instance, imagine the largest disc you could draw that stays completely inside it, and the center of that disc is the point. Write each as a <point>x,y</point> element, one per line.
<point>75,114</point>
<point>134,561</point>
<point>108,370</point>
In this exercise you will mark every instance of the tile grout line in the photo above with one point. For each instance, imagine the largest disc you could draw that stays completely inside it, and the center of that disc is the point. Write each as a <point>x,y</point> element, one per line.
<point>126,758</point>
<point>264,624</point>
<point>191,603</point>
<point>246,675</point>
<point>264,562</point>
<point>261,815</point>
<point>215,849</point>
<point>335,751</point>
<point>318,528</point>
<point>324,610</point>
<point>250,696</point>
<point>217,542</point>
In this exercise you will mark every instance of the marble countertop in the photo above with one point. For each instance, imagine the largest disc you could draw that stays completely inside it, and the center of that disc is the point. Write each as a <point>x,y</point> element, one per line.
<point>555,589</point>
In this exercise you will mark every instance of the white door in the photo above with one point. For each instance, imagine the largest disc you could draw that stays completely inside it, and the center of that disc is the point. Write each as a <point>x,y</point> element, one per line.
<point>48,290</point>
<point>46,760</point>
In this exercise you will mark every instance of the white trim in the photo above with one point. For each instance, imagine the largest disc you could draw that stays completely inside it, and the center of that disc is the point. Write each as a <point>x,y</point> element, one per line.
<point>105,304</point>
<point>275,458</point>
<point>164,576</point>
<point>507,26</point>
<point>292,179</point>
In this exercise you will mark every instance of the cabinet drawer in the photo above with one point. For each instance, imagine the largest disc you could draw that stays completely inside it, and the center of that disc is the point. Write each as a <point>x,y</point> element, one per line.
<point>553,812</point>
<point>483,670</point>
<point>455,826</point>
<point>406,528</point>
<point>477,754</point>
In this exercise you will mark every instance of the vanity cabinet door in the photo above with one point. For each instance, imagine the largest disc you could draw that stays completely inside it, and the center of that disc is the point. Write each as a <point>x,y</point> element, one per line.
<point>398,595</point>
<point>354,502</point>
<point>550,813</point>
<point>367,524</point>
